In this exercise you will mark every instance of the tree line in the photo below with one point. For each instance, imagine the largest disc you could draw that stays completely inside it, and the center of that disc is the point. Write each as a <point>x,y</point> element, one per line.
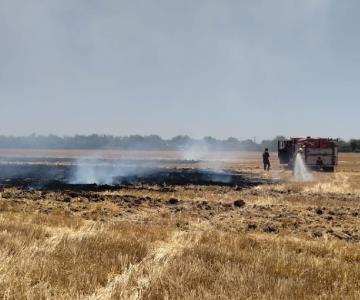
<point>349,146</point>
<point>150,142</point>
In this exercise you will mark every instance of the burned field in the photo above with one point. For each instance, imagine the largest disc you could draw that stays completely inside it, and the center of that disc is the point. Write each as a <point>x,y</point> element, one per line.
<point>131,190</point>
<point>134,189</point>
<point>187,229</point>
<point>58,177</point>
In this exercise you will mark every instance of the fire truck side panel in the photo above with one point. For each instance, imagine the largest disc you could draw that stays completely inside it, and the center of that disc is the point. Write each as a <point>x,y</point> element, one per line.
<point>326,154</point>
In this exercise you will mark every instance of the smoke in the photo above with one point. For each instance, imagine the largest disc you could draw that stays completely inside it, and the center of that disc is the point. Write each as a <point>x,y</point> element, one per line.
<point>95,171</point>
<point>218,175</point>
<point>204,151</point>
<point>98,171</point>
<point>301,173</point>
<point>199,150</point>
<point>88,174</point>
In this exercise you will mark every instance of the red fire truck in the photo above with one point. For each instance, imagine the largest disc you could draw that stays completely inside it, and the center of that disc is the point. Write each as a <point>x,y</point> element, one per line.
<point>318,153</point>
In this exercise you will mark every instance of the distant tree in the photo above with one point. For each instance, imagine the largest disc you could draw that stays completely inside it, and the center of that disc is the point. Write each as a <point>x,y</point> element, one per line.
<point>210,140</point>
<point>344,146</point>
<point>250,145</point>
<point>154,142</point>
<point>150,142</point>
<point>212,143</point>
<point>355,145</point>
<point>232,144</point>
<point>179,142</point>
<point>272,145</point>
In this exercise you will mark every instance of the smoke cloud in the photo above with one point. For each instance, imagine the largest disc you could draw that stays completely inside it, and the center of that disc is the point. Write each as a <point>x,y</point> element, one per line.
<point>99,170</point>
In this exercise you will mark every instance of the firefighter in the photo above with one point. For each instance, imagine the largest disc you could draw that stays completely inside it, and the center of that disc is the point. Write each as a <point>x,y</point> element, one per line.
<point>266,160</point>
<point>319,163</point>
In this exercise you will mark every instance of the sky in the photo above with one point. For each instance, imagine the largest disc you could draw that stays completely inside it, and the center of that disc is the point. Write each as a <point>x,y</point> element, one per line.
<point>221,68</point>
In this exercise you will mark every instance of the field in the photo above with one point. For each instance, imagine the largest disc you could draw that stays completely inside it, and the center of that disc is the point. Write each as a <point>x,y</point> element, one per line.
<point>276,239</point>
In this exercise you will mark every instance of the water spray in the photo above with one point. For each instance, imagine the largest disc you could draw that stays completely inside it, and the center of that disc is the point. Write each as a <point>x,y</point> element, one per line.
<point>301,173</point>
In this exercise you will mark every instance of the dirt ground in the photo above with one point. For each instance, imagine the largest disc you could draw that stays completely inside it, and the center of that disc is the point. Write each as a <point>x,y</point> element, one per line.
<point>279,240</point>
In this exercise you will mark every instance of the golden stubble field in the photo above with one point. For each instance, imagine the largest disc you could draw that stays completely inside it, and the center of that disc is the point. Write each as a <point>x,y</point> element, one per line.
<point>284,241</point>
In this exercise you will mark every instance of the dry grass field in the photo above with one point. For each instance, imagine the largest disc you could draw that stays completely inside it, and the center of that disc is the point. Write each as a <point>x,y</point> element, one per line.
<point>287,240</point>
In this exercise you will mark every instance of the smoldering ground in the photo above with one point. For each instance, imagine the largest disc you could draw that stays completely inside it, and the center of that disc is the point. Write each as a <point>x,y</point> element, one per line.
<point>96,169</point>
<point>95,173</point>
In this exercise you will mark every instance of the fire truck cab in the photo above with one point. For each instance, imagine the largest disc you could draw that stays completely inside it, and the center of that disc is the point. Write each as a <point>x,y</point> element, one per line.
<point>318,153</point>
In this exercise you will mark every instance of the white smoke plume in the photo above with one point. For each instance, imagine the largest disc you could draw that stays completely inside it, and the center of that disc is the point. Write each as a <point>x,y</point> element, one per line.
<point>201,150</point>
<point>196,151</point>
<point>96,170</point>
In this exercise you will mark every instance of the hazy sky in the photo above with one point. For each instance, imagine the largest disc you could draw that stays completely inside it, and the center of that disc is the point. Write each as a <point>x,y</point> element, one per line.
<point>198,67</point>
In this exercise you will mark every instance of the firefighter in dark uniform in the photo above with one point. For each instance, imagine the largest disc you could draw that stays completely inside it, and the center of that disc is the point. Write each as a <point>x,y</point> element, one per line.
<point>319,163</point>
<point>266,160</point>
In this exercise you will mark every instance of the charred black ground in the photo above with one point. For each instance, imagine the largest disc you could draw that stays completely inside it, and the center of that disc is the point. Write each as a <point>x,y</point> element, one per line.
<point>40,176</point>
